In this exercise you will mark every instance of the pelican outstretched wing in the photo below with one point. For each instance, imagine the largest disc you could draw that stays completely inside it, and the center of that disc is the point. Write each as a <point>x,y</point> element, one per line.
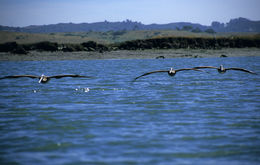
<point>18,76</point>
<point>241,69</point>
<point>145,74</point>
<point>68,75</point>
<point>204,67</point>
<point>196,69</point>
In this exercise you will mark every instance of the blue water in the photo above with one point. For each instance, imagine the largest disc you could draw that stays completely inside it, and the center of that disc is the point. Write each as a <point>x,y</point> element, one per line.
<point>191,118</point>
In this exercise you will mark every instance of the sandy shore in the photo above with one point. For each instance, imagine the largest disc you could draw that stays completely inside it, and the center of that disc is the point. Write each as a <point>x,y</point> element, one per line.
<point>125,54</point>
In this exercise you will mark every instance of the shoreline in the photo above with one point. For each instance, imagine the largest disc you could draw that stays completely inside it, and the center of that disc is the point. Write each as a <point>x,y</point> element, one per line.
<point>131,54</point>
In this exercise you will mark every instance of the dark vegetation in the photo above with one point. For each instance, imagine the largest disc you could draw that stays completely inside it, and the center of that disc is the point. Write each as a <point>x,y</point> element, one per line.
<point>154,43</point>
<point>192,43</point>
<point>13,47</point>
<point>196,30</point>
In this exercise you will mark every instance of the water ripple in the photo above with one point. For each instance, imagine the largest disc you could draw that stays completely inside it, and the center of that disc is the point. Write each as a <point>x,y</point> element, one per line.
<point>192,118</point>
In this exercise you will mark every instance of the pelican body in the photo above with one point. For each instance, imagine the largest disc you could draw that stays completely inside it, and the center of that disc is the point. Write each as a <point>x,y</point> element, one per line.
<point>43,78</point>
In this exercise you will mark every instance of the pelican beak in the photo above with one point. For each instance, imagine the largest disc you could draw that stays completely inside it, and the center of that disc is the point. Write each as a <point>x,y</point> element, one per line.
<point>41,79</point>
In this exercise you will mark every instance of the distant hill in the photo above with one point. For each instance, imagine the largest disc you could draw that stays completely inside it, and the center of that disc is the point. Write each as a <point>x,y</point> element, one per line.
<point>234,25</point>
<point>237,25</point>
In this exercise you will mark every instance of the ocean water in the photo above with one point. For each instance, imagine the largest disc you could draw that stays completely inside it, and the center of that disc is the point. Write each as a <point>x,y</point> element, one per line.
<point>191,118</point>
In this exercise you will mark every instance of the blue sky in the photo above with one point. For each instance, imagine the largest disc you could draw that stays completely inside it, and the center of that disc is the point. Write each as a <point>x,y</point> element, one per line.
<point>40,12</point>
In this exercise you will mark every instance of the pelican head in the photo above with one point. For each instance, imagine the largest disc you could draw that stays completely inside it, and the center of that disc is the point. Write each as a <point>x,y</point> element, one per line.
<point>42,78</point>
<point>171,72</point>
<point>221,69</point>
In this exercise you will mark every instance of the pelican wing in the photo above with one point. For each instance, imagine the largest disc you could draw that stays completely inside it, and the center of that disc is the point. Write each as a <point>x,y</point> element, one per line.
<point>145,74</point>
<point>241,69</point>
<point>68,75</point>
<point>205,67</point>
<point>18,76</point>
<point>189,69</point>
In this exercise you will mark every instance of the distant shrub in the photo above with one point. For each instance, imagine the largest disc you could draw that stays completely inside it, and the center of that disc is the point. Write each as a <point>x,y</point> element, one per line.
<point>211,31</point>
<point>12,47</point>
<point>72,47</point>
<point>69,34</point>
<point>187,42</point>
<point>186,28</point>
<point>157,33</point>
<point>19,50</point>
<point>7,47</point>
<point>45,46</point>
<point>136,28</point>
<point>68,48</point>
<point>196,30</point>
<point>27,47</point>
<point>89,44</point>
<point>120,32</point>
<point>93,46</point>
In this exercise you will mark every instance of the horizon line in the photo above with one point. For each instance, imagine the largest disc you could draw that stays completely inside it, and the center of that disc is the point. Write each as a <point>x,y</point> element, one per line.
<point>124,21</point>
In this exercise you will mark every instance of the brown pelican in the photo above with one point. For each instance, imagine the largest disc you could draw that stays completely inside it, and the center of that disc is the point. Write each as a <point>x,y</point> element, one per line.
<point>170,72</point>
<point>43,78</point>
<point>221,69</point>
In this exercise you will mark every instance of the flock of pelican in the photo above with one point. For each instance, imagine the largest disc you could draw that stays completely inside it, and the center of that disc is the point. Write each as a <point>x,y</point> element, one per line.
<point>171,72</point>
<point>220,69</point>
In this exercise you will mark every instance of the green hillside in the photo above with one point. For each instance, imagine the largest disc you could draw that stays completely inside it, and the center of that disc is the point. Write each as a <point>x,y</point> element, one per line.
<point>107,37</point>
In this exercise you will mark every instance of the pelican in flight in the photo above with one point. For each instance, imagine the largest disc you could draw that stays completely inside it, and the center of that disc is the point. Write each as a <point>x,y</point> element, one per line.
<point>170,72</point>
<point>221,69</point>
<point>43,78</point>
